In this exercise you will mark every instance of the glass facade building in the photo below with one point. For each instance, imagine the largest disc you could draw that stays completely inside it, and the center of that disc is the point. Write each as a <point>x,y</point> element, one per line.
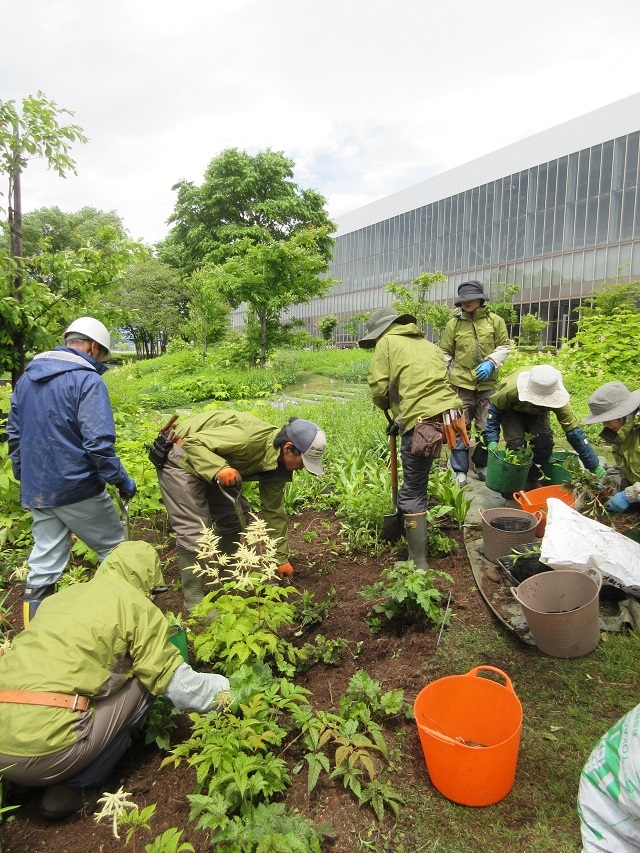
<point>558,227</point>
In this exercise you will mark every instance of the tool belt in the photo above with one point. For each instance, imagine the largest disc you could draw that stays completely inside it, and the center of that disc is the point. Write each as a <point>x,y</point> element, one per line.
<point>428,434</point>
<point>454,426</point>
<point>56,700</point>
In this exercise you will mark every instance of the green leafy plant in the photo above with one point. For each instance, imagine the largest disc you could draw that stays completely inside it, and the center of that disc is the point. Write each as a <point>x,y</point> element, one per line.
<point>169,842</point>
<point>450,494</point>
<point>407,595</point>
<point>262,827</point>
<point>309,612</point>
<point>324,651</point>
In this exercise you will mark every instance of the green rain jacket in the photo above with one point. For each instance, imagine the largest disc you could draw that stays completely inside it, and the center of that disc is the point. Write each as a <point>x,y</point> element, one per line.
<point>467,342</point>
<point>89,639</point>
<point>625,449</point>
<point>506,398</point>
<point>221,438</point>
<point>408,375</point>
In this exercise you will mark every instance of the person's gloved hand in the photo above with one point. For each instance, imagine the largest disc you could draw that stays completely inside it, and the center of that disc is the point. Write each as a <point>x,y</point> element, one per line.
<point>618,503</point>
<point>127,488</point>
<point>484,370</point>
<point>600,471</point>
<point>393,428</point>
<point>229,477</point>
<point>493,445</point>
<point>286,570</point>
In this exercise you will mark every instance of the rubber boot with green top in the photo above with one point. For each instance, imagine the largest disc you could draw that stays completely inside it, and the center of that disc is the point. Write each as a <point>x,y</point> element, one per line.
<point>33,597</point>
<point>415,528</point>
<point>192,584</point>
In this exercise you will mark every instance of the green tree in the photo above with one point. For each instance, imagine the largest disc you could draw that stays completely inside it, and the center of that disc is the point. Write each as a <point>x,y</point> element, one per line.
<point>243,200</point>
<point>353,324</point>
<point>59,230</point>
<point>270,277</point>
<point>150,306</point>
<point>33,132</point>
<point>501,302</point>
<point>414,299</point>
<point>613,297</point>
<point>208,307</point>
<point>326,326</point>
<point>531,327</point>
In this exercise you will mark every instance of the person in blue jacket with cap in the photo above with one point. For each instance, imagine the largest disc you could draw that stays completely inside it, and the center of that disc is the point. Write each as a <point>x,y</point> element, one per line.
<point>61,437</point>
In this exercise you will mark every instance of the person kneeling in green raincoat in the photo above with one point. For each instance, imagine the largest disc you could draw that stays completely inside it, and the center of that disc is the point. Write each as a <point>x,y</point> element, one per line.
<point>83,675</point>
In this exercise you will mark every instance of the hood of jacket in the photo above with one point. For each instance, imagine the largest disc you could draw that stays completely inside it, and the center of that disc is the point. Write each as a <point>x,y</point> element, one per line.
<point>47,365</point>
<point>409,330</point>
<point>135,562</point>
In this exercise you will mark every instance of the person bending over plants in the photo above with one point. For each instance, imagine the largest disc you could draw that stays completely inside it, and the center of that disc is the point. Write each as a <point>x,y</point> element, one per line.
<point>616,408</point>
<point>521,407</point>
<point>84,674</point>
<point>203,466</point>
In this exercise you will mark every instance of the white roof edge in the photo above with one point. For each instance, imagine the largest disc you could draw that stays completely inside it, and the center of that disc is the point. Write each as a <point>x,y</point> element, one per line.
<point>608,122</point>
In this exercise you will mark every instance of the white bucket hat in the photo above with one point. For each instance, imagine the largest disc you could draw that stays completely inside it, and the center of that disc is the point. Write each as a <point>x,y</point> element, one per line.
<point>542,386</point>
<point>611,401</point>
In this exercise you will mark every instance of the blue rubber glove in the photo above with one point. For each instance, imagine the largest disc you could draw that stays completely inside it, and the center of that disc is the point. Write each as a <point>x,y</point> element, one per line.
<point>484,370</point>
<point>127,488</point>
<point>493,445</point>
<point>618,503</point>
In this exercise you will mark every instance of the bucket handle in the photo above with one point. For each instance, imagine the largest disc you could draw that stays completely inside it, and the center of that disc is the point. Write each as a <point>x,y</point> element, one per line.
<point>521,497</point>
<point>595,575</point>
<point>474,672</point>
<point>440,735</point>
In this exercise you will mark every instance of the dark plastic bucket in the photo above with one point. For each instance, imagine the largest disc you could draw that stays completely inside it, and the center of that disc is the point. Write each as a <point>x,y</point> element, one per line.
<point>560,467</point>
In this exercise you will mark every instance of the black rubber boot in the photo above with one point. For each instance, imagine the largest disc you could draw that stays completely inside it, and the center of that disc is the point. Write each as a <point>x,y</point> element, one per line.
<point>60,801</point>
<point>415,528</point>
<point>33,597</point>
<point>228,545</point>
<point>192,584</point>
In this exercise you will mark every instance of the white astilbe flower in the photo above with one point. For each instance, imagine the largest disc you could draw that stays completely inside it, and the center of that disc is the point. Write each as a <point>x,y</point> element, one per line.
<point>20,572</point>
<point>113,807</point>
<point>253,563</point>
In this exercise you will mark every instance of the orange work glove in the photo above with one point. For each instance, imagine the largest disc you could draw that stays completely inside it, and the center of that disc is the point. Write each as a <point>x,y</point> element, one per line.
<point>286,570</point>
<point>229,477</point>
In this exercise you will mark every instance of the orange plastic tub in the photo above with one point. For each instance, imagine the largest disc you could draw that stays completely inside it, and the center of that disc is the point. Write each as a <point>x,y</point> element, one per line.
<point>537,500</point>
<point>469,729</point>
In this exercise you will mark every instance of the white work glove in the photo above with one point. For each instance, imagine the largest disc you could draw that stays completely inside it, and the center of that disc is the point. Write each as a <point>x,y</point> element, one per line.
<point>195,691</point>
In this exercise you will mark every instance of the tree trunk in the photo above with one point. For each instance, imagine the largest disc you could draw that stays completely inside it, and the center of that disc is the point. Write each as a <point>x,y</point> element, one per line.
<point>263,339</point>
<point>15,252</point>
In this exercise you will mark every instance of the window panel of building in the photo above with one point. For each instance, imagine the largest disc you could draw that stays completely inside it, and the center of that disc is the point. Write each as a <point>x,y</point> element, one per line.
<point>628,210</point>
<point>606,167</point>
<point>583,175</point>
<point>631,162</point>
<point>594,170</point>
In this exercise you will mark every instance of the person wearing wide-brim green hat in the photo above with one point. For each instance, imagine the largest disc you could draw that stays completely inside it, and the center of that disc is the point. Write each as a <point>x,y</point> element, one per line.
<point>616,408</point>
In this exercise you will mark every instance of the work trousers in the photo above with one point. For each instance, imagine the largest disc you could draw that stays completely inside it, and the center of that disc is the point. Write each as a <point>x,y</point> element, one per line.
<point>412,496</point>
<point>89,761</point>
<point>95,521</point>
<point>515,427</point>
<point>476,409</point>
<point>192,504</point>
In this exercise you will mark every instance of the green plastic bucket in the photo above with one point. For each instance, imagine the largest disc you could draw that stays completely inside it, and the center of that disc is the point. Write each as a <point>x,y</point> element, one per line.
<point>179,639</point>
<point>560,467</point>
<point>503,476</point>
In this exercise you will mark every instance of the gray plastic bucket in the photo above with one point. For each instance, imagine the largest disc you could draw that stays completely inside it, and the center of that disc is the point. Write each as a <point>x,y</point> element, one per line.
<point>562,610</point>
<point>498,543</point>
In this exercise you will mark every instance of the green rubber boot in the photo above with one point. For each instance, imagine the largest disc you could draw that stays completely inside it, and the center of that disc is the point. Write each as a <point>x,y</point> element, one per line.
<point>415,528</point>
<point>192,584</point>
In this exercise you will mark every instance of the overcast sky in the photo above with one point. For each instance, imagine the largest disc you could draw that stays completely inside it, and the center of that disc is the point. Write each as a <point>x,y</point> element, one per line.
<point>367,97</point>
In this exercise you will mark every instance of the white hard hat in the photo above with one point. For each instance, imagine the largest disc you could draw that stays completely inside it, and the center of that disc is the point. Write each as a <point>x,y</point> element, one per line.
<point>89,327</point>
